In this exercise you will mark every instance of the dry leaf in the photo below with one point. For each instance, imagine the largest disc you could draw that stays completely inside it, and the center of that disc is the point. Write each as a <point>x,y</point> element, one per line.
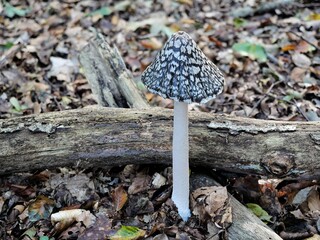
<point>140,183</point>
<point>288,47</point>
<point>119,197</point>
<point>301,60</point>
<point>152,43</point>
<point>298,74</point>
<point>212,203</point>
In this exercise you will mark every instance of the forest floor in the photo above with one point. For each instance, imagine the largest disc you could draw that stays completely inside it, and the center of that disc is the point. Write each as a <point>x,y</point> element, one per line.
<point>268,52</point>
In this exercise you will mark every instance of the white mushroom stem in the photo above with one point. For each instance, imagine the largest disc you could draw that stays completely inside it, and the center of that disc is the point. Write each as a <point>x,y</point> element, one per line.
<point>180,155</point>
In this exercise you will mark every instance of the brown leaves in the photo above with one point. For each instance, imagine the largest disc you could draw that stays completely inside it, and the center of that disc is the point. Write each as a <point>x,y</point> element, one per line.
<point>39,72</point>
<point>119,197</point>
<point>213,203</point>
<point>301,60</point>
<point>152,43</point>
<point>41,208</point>
<point>139,184</point>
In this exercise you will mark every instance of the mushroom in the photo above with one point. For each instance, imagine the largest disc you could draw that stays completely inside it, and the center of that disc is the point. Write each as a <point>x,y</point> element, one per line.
<point>183,73</point>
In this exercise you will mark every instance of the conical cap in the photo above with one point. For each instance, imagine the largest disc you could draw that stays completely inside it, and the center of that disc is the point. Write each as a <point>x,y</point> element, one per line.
<point>182,72</point>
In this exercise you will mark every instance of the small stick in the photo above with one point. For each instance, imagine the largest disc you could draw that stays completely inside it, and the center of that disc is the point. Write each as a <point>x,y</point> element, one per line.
<point>265,95</point>
<point>303,38</point>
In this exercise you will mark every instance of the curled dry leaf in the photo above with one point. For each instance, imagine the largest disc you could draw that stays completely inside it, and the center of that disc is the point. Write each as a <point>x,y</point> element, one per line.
<point>212,203</point>
<point>308,201</point>
<point>78,185</point>
<point>119,197</point>
<point>140,183</point>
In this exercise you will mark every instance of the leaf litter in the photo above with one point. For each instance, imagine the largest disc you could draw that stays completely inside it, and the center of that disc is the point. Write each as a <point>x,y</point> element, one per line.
<point>272,68</point>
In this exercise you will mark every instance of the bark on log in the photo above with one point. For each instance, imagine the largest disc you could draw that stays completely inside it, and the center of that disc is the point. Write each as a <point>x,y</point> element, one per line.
<point>100,137</point>
<point>262,8</point>
<point>110,81</point>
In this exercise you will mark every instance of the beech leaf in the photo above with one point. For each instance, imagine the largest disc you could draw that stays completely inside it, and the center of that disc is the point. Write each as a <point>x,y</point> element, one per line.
<point>119,197</point>
<point>251,50</point>
<point>259,212</point>
<point>128,233</point>
<point>12,11</point>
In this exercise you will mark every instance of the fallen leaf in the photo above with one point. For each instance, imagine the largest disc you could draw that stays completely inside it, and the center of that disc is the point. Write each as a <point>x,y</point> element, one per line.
<point>157,22</point>
<point>304,47</point>
<point>30,233</point>
<point>12,11</point>
<point>188,2</point>
<point>288,47</point>
<point>314,16</point>
<point>79,185</point>
<point>301,60</point>
<point>314,237</point>
<point>103,11</point>
<point>101,229</point>
<point>6,46</point>
<point>161,236</point>
<point>239,22</point>
<point>61,68</point>
<point>128,233</point>
<point>119,197</point>
<point>41,208</point>
<point>259,212</point>
<point>297,74</point>
<point>139,205</point>
<point>314,200</point>
<point>106,11</point>
<point>212,202</point>
<point>251,50</point>
<point>312,115</point>
<point>151,43</point>
<point>139,184</point>
<point>301,196</point>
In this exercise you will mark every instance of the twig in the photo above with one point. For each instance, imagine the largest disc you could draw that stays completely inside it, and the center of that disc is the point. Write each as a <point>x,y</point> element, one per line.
<point>262,8</point>
<point>299,109</point>
<point>19,43</point>
<point>265,95</point>
<point>303,38</point>
<point>306,5</point>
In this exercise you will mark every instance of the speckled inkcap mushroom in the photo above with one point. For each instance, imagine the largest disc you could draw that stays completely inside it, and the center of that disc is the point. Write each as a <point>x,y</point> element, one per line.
<point>183,73</point>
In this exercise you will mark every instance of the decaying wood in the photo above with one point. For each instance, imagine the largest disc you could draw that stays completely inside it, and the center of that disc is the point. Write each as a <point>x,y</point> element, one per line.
<point>110,81</point>
<point>246,226</point>
<point>262,8</point>
<point>100,137</point>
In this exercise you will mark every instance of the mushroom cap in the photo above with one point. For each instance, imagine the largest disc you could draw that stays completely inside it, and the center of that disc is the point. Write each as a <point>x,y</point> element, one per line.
<point>182,72</point>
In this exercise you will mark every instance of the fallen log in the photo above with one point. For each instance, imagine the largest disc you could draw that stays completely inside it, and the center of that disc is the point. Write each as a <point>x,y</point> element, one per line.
<point>262,8</point>
<point>101,137</point>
